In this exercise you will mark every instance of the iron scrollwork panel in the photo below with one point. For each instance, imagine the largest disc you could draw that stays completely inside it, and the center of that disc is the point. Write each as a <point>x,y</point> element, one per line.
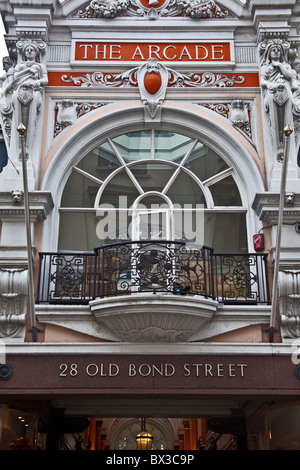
<point>237,277</point>
<point>70,277</point>
<point>152,267</point>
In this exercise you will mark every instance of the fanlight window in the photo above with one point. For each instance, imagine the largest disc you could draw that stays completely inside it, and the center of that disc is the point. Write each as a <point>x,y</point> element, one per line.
<point>147,184</point>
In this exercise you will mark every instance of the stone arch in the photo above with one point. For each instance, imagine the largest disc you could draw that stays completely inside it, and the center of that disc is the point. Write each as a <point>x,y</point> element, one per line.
<point>164,425</point>
<point>213,130</point>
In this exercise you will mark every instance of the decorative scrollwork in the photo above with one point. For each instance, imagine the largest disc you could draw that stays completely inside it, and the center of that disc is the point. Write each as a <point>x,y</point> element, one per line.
<point>112,8</point>
<point>69,277</point>
<point>176,79</point>
<point>80,110</point>
<point>94,79</point>
<point>238,277</point>
<point>215,80</point>
<point>152,266</point>
<point>224,110</point>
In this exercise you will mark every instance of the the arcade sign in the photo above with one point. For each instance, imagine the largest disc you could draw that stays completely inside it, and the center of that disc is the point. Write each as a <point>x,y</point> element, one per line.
<point>98,51</point>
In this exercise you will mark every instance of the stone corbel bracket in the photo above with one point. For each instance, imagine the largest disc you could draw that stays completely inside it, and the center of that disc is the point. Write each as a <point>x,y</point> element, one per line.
<point>12,205</point>
<point>13,303</point>
<point>266,207</point>
<point>289,304</point>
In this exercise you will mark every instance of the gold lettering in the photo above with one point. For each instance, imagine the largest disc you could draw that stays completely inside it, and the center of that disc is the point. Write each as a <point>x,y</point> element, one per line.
<point>160,371</point>
<point>169,370</point>
<point>146,368</point>
<point>131,370</point>
<point>197,368</point>
<point>208,368</point>
<point>242,366</point>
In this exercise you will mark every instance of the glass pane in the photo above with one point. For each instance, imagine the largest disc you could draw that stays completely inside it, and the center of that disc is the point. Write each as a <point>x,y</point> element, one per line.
<point>152,202</point>
<point>189,226</point>
<point>100,162</point>
<point>84,225</point>
<point>205,162</point>
<point>134,146</point>
<point>152,176</point>
<point>153,225</point>
<point>185,190</point>
<point>120,186</point>
<point>226,232</point>
<point>79,191</point>
<point>171,146</point>
<point>226,193</point>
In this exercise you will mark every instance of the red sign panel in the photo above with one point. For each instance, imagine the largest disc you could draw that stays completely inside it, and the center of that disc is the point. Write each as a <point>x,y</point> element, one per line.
<point>258,241</point>
<point>141,52</point>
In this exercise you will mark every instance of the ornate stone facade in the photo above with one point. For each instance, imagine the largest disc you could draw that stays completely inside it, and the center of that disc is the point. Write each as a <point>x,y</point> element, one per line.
<point>169,103</point>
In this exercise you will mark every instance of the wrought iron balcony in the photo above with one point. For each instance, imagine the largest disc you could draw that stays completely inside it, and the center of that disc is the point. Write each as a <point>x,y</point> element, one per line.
<point>152,266</point>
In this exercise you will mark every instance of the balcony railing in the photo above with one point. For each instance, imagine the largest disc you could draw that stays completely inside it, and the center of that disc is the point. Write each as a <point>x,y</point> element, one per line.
<point>154,267</point>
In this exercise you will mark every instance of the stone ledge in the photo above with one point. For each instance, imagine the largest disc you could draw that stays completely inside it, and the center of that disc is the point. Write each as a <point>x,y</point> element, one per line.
<point>266,206</point>
<point>40,204</point>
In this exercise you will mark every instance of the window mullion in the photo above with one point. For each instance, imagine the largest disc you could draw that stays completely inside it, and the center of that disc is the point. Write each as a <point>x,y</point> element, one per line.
<point>88,175</point>
<point>175,174</point>
<point>218,177</point>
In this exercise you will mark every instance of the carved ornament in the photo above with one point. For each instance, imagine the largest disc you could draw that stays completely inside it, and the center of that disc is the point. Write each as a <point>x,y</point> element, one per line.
<point>176,79</point>
<point>152,9</point>
<point>67,112</point>
<point>289,303</point>
<point>13,302</point>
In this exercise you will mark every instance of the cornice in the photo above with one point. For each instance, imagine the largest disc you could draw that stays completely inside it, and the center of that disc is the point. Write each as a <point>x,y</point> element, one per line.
<point>197,348</point>
<point>40,203</point>
<point>266,206</point>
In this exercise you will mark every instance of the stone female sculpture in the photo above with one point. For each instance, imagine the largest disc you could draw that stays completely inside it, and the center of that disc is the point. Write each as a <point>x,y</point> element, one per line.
<point>276,81</point>
<point>22,99</point>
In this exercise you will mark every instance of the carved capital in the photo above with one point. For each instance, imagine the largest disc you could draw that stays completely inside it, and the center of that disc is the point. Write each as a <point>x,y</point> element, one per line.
<point>27,36</point>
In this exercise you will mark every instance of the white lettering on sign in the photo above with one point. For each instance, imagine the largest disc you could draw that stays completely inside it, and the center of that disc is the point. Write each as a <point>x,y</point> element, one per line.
<point>151,370</point>
<point>101,51</point>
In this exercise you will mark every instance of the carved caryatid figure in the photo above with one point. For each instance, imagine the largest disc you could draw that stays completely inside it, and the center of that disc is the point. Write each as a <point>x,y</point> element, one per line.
<point>23,92</point>
<point>296,87</point>
<point>6,101</point>
<point>277,78</point>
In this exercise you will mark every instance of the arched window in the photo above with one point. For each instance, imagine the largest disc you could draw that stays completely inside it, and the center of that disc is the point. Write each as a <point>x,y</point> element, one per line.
<point>152,184</point>
<point>126,437</point>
